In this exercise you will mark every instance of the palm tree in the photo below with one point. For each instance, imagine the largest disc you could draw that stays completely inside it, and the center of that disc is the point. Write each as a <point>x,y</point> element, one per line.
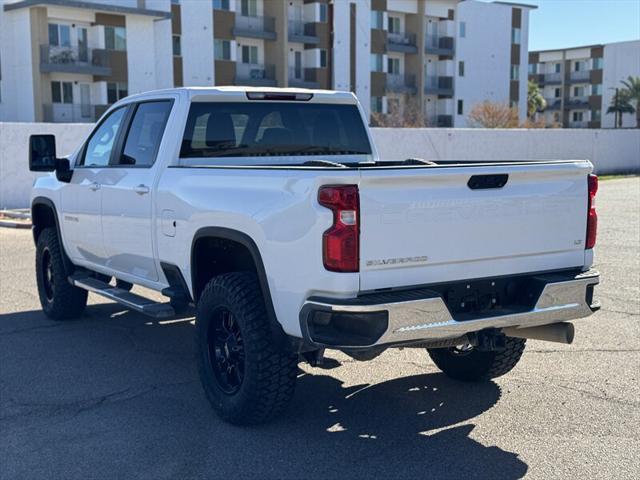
<point>632,87</point>
<point>620,105</point>
<point>535,101</point>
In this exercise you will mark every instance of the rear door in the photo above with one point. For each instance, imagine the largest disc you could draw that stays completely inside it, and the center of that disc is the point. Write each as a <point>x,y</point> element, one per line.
<point>428,225</point>
<point>127,192</point>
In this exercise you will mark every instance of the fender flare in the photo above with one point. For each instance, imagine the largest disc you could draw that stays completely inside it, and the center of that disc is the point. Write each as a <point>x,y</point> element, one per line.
<point>49,204</point>
<point>279,336</point>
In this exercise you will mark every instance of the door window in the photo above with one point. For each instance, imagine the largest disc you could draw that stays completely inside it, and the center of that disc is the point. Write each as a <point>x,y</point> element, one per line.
<point>145,134</point>
<point>98,150</point>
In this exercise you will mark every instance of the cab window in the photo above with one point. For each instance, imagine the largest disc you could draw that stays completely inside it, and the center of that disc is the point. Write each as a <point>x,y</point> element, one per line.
<point>100,145</point>
<point>145,134</point>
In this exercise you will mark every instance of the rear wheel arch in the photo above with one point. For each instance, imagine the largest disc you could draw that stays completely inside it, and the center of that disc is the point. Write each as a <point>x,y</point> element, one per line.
<point>218,250</point>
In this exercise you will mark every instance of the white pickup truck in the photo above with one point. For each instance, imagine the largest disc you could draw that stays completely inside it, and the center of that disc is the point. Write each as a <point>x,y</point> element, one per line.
<point>270,211</point>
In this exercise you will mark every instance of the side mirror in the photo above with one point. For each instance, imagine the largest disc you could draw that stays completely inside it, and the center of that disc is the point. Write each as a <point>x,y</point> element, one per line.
<point>42,153</point>
<point>63,170</point>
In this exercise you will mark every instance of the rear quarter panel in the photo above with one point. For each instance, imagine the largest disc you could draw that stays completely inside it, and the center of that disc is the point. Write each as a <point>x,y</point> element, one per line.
<point>276,208</point>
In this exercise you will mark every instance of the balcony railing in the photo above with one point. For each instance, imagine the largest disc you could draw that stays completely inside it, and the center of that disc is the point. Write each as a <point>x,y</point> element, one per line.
<point>439,120</point>
<point>553,77</point>
<point>255,27</point>
<point>553,103</point>
<point>302,32</point>
<point>401,82</point>
<point>437,85</point>
<point>439,45</point>
<point>581,76</point>
<point>253,74</point>
<point>302,77</point>
<point>68,59</point>
<point>73,112</point>
<point>401,42</point>
<point>578,102</point>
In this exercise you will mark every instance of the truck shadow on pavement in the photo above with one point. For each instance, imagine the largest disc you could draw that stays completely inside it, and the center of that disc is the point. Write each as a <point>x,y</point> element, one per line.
<point>117,395</point>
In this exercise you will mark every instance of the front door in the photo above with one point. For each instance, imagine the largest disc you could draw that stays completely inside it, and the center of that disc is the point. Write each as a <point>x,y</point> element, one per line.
<point>127,194</point>
<point>81,199</point>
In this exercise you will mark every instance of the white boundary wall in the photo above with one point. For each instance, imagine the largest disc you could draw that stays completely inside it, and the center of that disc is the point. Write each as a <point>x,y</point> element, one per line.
<point>611,151</point>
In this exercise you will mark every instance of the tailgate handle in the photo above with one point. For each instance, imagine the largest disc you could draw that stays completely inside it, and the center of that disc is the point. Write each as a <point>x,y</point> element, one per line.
<point>483,182</point>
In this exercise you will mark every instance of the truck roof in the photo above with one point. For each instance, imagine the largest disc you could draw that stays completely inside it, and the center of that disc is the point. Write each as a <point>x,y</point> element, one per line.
<point>239,93</point>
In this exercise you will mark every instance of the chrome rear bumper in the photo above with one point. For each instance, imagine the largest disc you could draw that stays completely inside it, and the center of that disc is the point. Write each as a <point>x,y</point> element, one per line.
<point>406,319</point>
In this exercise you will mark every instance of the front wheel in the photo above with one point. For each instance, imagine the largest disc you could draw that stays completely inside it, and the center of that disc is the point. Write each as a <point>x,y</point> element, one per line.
<point>468,364</point>
<point>246,378</point>
<point>59,299</point>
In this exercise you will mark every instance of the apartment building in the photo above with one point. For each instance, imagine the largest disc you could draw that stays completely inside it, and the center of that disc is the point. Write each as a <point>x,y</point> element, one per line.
<point>579,83</point>
<point>442,57</point>
<point>67,60</point>
<point>252,42</point>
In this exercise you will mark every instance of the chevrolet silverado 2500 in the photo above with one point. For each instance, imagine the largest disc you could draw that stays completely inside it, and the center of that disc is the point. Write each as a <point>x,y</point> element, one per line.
<point>270,212</point>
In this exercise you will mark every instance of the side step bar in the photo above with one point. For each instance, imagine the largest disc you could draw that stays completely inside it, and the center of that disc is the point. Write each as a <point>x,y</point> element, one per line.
<point>128,299</point>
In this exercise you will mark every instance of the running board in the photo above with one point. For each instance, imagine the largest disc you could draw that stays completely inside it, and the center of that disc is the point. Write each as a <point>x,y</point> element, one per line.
<point>128,299</point>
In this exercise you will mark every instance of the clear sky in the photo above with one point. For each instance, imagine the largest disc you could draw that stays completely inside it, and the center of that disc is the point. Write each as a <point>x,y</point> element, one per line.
<point>567,23</point>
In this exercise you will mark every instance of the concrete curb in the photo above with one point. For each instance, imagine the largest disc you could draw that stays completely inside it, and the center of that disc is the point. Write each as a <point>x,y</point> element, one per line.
<point>11,224</point>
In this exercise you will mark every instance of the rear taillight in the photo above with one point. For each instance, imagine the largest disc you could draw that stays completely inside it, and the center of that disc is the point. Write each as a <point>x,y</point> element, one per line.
<point>592,216</point>
<point>341,242</point>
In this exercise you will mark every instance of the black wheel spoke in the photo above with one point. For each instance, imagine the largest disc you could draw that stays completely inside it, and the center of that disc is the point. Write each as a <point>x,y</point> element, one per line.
<point>226,351</point>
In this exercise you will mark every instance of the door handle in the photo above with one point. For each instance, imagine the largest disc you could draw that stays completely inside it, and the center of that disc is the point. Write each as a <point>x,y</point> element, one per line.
<point>141,189</point>
<point>94,186</point>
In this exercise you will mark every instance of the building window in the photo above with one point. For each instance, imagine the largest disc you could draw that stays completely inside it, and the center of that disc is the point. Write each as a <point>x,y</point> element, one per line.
<point>177,49</point>
<point>578,91</point>
<point>533,68</point>
<point>59,35</point>
<point>249,8</point>
<point>577,116</point>
<point>463,29</point>
<point>376,62</point>
<point>61,92</point>
<point>515,36</point>
<point>323,58</point>
<point>222,49</point>
<point>116,91</point>
<point>597,63</point>
<point>393,65</point>
<point>460,107</point>
<point>461,68</point>
<point>377,19</point>
<point>596,89</point>
<point>250,54</point>
<point>324,15</point>
<point>557,92</point>
<point>376,104</point>
<point>115,38</point>
<point>393,24</point>
<point>515,72</point>
<point>596,115</point>
<point>221,4</point>
<point>557,67</point>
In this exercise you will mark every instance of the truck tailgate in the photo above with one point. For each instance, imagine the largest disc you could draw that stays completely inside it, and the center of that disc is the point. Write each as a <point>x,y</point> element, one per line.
<point>427,225</point>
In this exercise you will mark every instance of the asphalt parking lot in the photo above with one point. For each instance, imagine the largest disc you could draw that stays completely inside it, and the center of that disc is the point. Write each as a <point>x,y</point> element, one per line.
<point>115,395</point>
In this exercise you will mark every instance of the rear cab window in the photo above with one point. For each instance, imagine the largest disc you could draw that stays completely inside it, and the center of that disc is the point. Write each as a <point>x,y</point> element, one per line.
<point>219,131</point>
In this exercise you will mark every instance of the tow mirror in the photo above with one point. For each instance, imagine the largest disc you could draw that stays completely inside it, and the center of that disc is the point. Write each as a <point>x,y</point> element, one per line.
<point>43,158</point>
<point>42,153</point>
